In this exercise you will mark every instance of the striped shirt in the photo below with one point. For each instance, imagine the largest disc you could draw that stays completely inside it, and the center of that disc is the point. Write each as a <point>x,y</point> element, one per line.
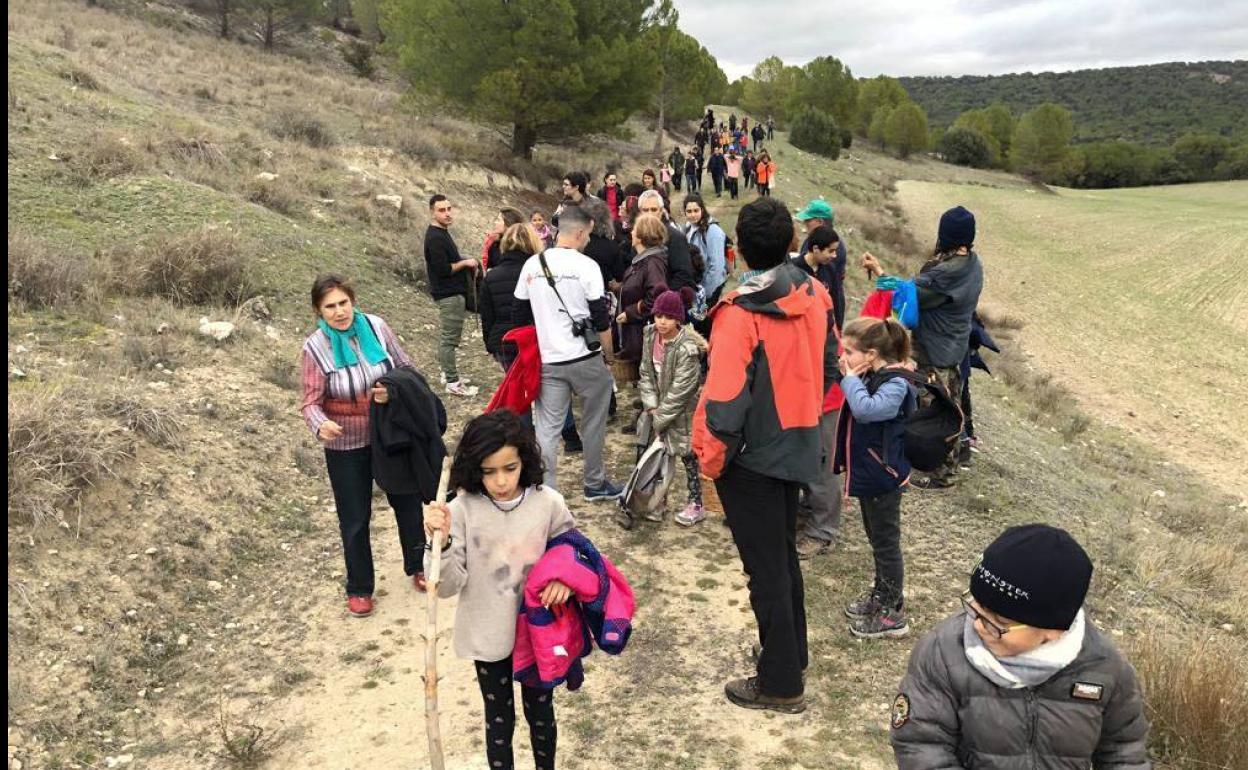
<point>342,395</point>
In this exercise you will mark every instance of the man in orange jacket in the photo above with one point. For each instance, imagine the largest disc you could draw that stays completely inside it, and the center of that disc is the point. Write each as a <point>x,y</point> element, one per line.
<point>756,433</point>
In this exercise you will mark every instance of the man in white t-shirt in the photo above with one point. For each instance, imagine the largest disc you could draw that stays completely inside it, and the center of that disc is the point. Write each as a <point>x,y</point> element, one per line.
<point>569,365</point>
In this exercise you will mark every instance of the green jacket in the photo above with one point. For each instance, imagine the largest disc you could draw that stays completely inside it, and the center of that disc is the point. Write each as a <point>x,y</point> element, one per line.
<point>673,393</point>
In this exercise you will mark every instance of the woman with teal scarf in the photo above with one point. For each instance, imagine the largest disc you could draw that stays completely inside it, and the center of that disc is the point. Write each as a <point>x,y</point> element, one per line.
<point>342,361</point>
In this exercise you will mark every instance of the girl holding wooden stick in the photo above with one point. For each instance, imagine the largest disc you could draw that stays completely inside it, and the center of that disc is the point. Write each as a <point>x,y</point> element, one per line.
<point>496,530</point>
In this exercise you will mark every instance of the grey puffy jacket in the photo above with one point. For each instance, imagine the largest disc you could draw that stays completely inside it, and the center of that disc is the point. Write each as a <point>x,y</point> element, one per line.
<point>948,715</point>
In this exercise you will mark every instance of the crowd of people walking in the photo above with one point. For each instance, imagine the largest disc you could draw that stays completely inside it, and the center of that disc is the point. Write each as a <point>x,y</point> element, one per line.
<point>750,378</point>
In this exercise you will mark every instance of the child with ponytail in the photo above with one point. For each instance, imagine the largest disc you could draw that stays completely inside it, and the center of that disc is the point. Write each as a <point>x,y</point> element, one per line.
<point>871,453</point>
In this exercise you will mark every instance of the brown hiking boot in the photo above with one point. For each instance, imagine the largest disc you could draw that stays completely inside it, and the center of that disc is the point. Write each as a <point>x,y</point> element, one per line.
<point>745,693</point>
<point>808,547</point>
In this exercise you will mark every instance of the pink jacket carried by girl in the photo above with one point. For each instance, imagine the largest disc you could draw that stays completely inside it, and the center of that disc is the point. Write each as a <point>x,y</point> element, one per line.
<point>551,642</point>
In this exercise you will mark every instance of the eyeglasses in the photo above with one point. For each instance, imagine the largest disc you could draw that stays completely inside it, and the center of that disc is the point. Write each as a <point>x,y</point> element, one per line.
<point>975,614</point>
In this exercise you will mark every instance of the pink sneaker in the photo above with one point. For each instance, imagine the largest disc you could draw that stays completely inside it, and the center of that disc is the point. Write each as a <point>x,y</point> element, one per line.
<point>692,514</point>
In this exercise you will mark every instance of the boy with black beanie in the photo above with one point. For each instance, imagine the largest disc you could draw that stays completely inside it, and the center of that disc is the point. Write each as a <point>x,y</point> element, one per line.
<point>1021,677</point>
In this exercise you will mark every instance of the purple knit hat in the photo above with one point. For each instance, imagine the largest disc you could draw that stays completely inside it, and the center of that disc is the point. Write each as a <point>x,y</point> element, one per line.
<point>671,305</point>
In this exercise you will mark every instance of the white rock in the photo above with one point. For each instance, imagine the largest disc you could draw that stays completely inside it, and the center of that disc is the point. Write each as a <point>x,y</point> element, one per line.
<point>163,327</point>
<point>391,200</point>
<point>152,550</point>
<point>266,176</point>
<point>80,629</point>
<point>218,330</point>
<point>183,640</point>
<point>272,333</point>
<point>213,585</point>
<point>21,349</point>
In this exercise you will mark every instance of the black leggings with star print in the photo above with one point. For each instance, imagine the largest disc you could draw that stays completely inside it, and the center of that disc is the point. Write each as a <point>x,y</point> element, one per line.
<point>500,717</point>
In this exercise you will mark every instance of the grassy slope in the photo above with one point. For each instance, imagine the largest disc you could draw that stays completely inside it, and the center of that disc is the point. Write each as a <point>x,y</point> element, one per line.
<point>247,562</point>
<point>1148,283</point>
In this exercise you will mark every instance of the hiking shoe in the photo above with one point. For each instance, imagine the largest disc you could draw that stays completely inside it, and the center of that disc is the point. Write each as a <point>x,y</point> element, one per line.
<point>360,606</point>
<point>745,693</point>
<point>573,446</point>
<point>607,491</point>
<point>655,515</point>
<point>866,605</point>
<point>885,623</point>
<point>458,388</point>
<point>692,514</point>
<point>808,547</point>
<point>418,582</point>
<point>931,482</point>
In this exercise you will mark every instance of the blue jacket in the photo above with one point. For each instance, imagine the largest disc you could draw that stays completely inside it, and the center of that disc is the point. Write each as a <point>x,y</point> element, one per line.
<point>871,434</point>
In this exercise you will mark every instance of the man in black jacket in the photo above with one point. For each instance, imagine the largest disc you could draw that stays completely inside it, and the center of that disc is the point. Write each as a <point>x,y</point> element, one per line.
<point>679,260</point>
<point>449,283</point>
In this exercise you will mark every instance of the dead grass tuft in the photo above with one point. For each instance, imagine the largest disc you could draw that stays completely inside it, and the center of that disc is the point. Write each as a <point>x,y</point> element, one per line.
<point>83,78</point>
<point>43,276</point>
<point>999,320</point>
<point>281,372</point>
<point>58,447</point>
<point>1193,688</point>
<point>205,266</point>
<point>300,126</point>
<point>156,425</point>
<point>882,228</point>
<point>104,157</point>
<point>245,744</point>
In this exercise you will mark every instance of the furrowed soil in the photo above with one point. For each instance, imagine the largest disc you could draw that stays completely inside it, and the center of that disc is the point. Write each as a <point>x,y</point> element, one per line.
<point>185,610</point>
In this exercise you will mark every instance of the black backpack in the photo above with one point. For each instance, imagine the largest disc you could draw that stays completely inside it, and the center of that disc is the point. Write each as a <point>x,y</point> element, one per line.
<point>935,427</point>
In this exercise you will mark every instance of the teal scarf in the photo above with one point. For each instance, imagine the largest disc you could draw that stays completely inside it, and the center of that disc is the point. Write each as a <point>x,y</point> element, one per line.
<point>344,355</point>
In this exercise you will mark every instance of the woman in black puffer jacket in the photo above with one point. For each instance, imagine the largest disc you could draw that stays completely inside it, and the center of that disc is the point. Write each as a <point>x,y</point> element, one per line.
<point>519,242</point>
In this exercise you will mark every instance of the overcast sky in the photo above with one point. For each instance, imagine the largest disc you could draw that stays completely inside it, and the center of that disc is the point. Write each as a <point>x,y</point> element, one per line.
<point>966,37</point>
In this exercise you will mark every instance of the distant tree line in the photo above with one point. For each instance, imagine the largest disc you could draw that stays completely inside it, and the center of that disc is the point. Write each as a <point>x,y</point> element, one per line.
<point>824,106</point>
<point>1039,144</point>
<point>1152,105</point>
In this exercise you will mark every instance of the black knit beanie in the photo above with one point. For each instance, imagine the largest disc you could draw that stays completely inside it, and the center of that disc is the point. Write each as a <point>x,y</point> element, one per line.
<point>957,228</point>
<point>1033,574</point>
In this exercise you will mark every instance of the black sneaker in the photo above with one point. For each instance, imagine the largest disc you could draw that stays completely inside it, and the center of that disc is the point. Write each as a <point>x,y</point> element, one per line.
<point>607,491</point>
<point>572,447</point>
<point>866,605</point>
<point>931,482</point>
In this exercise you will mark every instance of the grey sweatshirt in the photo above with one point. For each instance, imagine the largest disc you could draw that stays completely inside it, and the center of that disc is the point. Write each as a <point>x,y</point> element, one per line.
<point>501,549</point>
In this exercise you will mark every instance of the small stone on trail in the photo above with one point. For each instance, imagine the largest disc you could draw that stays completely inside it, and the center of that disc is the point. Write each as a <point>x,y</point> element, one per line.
<point>392,200</point>
<point>213,585</point>
<point>266,176</point>
<point>183,640</point>
<point>152,550</point>
<point>80,629</point>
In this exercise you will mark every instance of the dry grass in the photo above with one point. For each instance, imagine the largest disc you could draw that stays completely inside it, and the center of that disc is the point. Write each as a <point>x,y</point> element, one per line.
<point>104,157</point>
<point>1194,689</point>
<point>58,447</point>
<point>156,425</point>
<point>244,744</point>
<point>301,126</point>
<point>43,276</point>
<point>206,266</point>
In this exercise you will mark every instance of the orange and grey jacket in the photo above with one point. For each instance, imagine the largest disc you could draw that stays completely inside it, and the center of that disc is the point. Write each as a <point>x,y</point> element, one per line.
<point>770,365</point>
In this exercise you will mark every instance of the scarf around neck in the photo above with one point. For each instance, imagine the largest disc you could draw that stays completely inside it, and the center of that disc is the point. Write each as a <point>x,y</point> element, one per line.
<point>1029,669</point>
<point>340,342</point>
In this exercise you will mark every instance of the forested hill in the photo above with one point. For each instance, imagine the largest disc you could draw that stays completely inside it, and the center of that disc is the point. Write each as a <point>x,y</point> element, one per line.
<point>1153,104</point>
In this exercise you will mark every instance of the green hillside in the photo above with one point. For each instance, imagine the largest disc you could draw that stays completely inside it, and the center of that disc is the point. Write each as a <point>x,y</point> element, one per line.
<point>1153,104</point>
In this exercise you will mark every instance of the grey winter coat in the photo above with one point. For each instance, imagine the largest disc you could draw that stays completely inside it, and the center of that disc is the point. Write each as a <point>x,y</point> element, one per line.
<point>672,393</point>
<point>948,715</point>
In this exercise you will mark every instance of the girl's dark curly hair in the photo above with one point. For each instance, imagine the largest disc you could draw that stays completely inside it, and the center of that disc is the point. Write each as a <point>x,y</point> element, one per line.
<point>484,436</point>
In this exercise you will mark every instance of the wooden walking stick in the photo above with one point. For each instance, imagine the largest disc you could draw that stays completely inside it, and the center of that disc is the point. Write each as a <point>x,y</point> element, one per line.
<point>432,726</point>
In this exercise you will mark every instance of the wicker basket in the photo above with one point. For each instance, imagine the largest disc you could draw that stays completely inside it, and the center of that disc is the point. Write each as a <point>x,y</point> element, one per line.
<point>710,498</point>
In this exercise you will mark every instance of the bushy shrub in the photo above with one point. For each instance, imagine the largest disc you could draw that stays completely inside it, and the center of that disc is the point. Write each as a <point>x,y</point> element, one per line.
<point>360,56</point>
<point>847,138</point>
<point>104,157</point>
<point>41,276</point>
<point>206,266</point>
<point>299,126</point>
<point>966,147</point>
<point>815,131</point>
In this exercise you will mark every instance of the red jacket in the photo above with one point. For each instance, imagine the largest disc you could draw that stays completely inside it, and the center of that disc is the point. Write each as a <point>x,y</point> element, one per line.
<point>771,360</point>
<point>523,381</point>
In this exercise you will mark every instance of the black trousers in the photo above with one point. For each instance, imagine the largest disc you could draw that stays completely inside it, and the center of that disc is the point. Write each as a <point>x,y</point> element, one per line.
<point>732,186</point>
<point>762,514</point>
<point>351,476</point>
<point>881,518</point>
<point>500,717</point>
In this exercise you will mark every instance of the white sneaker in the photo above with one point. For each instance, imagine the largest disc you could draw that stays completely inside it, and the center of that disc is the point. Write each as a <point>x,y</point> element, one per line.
<point>462,378</point>
<point>692,514</point>
<point>460,389</point>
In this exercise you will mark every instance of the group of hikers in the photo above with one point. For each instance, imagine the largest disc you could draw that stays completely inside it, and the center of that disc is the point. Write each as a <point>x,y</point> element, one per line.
<point>751,379</point>
<point>724,151</point>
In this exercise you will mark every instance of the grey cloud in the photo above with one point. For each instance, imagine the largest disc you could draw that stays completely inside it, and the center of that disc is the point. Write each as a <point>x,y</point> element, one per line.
<point>911,37</point>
